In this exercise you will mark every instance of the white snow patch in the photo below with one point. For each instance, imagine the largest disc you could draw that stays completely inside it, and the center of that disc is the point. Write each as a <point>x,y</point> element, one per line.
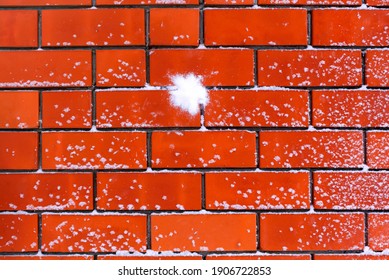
<point>188,93</point>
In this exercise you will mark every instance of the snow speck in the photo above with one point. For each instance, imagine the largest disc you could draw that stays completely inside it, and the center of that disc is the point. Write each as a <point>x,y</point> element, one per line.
<point>188,92</point>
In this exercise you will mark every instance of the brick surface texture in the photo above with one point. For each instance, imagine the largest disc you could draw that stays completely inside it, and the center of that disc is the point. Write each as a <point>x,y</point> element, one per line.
<point>288,159</point>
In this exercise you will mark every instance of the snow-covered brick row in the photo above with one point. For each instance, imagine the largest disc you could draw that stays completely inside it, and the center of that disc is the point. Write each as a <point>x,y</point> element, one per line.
<point>93,233</point>
<point>309,68</point>
<point>312,232</point>
<point>267,27</point>
<point>311,149</point>
<point>218,67</point>
<point>207,232</point>
<point>99,150</point>
<point>18,232</point>
<point>204,149</point>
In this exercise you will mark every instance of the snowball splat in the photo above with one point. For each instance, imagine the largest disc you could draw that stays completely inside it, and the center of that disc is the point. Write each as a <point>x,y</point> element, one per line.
<point>188,93</point>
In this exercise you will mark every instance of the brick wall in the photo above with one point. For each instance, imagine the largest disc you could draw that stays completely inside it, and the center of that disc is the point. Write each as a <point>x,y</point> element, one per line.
<point>288,160</point>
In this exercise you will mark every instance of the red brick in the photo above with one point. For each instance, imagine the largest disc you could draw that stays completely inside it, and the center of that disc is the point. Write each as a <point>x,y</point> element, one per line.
<point>213,65</point>
<point>309,68</point>
<point>67,109</point>
<point>44,2</point>
<point>19,109</point>
<point>255,27</point>
<point>229,2</point>
<point>311,232</point>
<point>18,233</point>
<point>377,2</point>
<point>378,149</point>
<point>147,2</point>
<point>99,150</point>
<point>377,65</point>
<point>310,2</point>
<point>93,27</point>
<point>140,108</point>
<point>45,68</point>
<point>54,192</point>
<point>198,149</point>
<point>250,108</point>
<point>378,231</point>
<point>47,257</point>
<point>351,190</point>
<point>303,149</point>
<point>18,28</point>
<point>93,233</point>
<point>351,257</point>
<point>20,149</point>
<point>120,68</point>
<point>258,257</point>
<point>253,190</point>
<point>358,27</point>
<point>143,258</point>
<point>340,108</point>
<point>149,191</point>
<point>209,232</point>
<point>174,27</point>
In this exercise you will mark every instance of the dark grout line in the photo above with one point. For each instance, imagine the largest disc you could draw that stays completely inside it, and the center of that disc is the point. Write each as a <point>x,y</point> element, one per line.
<point>203,192</point>
<point>149,149</point>
<point>201,23</point>
<point>148,231</point>
<point>258,231</point>
<point>39,29</point>
<point>39,231</point>
<point>366,229</point>
<point>147,43</point>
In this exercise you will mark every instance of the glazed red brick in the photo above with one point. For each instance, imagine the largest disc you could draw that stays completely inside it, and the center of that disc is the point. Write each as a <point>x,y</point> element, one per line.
<point>144,258</point>
<point>100,27</point>
<point>351,190</point>
<point>18,28</point>
<point>378,149</point>
<point>93,233</point>
<point>99,150</point>
<point>258,257</point>
<point>198,149</point>
<point>311,2</point>
<point>351,257</point>
<point>228,2</point>
<point>377,65</point>
<point>214,65</point>
<point>304,68</point>
<point>18,150</point>
<point>147,2</point>
<point>341,108</point>
<point>312,232</point>
<point>377,2</point>
<point>66,109</point>
<point>50,191</point>
<point>358,27</point>
<point>140,108</point>
<point>44,2</point>
<point>378,231</point>
<point>19,109</point>
<point>47,257</point>
<point>209,232</point>
<point>303,149</point>
<point>237,27</point>
<point>149,191</point>
<point>120,68</point>
<point>18,233</point>
<point>43,68</point>
<point>174,27</point>
<point>248,108</point>
<point>253,190</point>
